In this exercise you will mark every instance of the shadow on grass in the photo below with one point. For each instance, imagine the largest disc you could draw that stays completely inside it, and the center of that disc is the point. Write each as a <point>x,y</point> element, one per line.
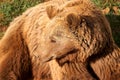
<point>114,21</point>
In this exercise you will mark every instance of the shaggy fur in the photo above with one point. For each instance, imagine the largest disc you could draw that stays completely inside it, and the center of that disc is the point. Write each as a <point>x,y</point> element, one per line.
<point>59,40</point>
<point>17,61</point>
<point>90,44</point>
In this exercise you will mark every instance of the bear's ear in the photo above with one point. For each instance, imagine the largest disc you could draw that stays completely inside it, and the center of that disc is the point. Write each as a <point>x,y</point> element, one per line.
<point>72,19</point>
<point>51,11</point>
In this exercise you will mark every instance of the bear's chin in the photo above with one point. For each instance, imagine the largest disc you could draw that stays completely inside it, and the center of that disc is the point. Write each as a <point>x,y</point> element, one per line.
<point>60,58</point>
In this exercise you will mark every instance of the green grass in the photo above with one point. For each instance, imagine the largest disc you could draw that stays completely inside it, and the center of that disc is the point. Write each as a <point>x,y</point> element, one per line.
<point>114,21</point>
<point>11,9</point>
<point>106,3</point>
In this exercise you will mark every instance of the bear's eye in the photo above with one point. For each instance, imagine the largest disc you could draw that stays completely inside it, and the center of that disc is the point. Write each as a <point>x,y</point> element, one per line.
<point>83,22</point>
<point>52,39</point>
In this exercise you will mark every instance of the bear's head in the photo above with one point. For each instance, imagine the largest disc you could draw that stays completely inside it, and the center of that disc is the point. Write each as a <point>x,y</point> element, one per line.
<point>73,31</point>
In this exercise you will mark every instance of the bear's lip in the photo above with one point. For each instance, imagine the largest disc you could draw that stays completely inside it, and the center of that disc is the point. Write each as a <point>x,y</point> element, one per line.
<point>73,51</point>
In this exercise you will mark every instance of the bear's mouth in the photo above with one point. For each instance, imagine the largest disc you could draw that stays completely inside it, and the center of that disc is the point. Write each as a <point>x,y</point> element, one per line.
<point>68,53</point>
<point>73,51</point>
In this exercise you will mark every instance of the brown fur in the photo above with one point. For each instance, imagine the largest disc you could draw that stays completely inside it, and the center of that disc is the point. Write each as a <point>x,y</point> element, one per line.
<point>17,61</point>
<point>90,43</point>
<point>59,40</point>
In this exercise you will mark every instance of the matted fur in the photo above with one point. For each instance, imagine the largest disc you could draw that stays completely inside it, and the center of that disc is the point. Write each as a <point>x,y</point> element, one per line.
<point>59,40</point>
<point>90,33</point>
<point>17,61</point>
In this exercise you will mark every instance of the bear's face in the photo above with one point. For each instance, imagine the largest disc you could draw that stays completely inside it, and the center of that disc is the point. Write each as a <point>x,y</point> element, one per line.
<point>72,32</point>
<point>64,35</point>
<point>58,39</point>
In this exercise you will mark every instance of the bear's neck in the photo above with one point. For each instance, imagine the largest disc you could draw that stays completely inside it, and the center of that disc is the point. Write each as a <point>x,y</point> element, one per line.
<point>40,70</point>
<point>69,71</point>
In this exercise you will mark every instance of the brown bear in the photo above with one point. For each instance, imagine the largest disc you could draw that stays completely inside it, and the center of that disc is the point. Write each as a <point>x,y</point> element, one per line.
<point>59,40</point>
<point>22,54</point>
<point>89,50</point>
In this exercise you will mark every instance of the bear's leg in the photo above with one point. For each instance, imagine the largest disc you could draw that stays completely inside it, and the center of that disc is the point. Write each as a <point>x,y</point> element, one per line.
<point>15,63</point>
